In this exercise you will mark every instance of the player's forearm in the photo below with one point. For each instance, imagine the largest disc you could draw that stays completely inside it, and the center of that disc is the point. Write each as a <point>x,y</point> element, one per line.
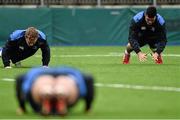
<point>163,40</point>
<point>132,37</point>
<point>161,46</point>
<point>89,80</point>
<point>46,60</point>
<point>19,94</point>
<point>46,57</point>
<point>5,58</point>
<point>134,45</point>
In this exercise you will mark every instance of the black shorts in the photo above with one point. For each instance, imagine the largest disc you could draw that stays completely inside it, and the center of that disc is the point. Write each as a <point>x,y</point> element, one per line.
<point>151,42</point>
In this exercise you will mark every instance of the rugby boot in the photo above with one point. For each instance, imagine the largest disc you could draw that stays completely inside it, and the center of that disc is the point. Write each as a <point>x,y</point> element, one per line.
<point>126,58</point>
<point>159,60</point>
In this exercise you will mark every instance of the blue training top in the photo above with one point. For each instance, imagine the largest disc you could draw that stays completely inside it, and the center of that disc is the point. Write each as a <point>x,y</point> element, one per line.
<point>140,15</point>
<point>17,34</point>
<point>31,76</point>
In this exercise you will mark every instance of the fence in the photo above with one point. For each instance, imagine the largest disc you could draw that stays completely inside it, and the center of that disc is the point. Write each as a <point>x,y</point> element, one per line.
<point>82,26</point>
<point>89,2</point>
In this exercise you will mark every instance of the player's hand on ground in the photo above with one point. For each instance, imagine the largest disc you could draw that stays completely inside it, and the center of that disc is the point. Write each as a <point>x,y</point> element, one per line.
<point>155,56</point>
<point>19,111</point>
<point>142,56</point>
<point>8,67</point>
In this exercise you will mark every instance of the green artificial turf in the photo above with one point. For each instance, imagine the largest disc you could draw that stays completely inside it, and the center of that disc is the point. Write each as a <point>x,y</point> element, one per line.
<point>105,63</point>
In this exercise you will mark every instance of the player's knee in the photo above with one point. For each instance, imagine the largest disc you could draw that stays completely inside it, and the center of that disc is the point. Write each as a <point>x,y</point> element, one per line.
<point>129,46</point>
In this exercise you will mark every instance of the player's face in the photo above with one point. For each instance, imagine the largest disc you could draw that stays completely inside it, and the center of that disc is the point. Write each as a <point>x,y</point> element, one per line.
<point>30,40</point>
<point>149,20</point>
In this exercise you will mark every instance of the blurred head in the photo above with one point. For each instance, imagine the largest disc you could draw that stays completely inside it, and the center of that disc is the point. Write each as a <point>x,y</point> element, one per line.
<point>150,15</point>
<point>31,36</point>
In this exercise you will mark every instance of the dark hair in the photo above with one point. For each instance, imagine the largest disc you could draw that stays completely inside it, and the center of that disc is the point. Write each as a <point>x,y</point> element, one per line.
<point>151,11</point>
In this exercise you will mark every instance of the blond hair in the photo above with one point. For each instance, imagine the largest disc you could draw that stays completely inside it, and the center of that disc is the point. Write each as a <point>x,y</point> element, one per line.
<point>32,32</point>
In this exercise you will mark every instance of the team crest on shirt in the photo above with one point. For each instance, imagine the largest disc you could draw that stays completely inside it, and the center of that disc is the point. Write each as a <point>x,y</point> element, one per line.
<point>143,28</point>
<point>21,47</point>
<point>35,47</point>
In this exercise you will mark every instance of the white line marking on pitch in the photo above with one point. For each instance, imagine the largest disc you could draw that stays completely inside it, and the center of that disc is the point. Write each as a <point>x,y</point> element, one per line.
<point>105,55</point>
<point>139,87</point>
<point>127,86</point>
<point>8,79</point>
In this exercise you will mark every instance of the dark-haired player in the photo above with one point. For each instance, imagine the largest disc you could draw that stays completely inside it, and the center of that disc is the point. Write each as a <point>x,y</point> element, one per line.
<point>147,27</point>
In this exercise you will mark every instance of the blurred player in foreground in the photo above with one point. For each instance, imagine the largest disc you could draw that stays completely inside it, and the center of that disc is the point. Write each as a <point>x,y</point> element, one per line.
<point>147,27</point>
<point>23,44</point>
<point>52,91</point>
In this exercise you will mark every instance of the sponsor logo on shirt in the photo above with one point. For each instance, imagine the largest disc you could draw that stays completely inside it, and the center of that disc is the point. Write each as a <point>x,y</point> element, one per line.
<point>35,47</point>
<point>143,28</point>
<point>21,47</point>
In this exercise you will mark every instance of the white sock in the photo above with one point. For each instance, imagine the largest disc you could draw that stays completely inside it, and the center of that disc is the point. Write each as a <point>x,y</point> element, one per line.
<point>126,52</point>
<point>0,52</point>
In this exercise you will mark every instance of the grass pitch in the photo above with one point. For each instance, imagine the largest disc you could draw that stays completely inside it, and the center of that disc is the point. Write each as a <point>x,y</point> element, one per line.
<point>136,97</point>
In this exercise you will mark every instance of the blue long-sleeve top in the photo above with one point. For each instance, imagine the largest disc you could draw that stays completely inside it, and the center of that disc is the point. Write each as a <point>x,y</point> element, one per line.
<point>139,29</point>
<point>16,48</point>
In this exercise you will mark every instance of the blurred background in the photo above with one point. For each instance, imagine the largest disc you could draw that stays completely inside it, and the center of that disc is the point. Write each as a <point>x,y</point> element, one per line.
<point>84,22</point>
